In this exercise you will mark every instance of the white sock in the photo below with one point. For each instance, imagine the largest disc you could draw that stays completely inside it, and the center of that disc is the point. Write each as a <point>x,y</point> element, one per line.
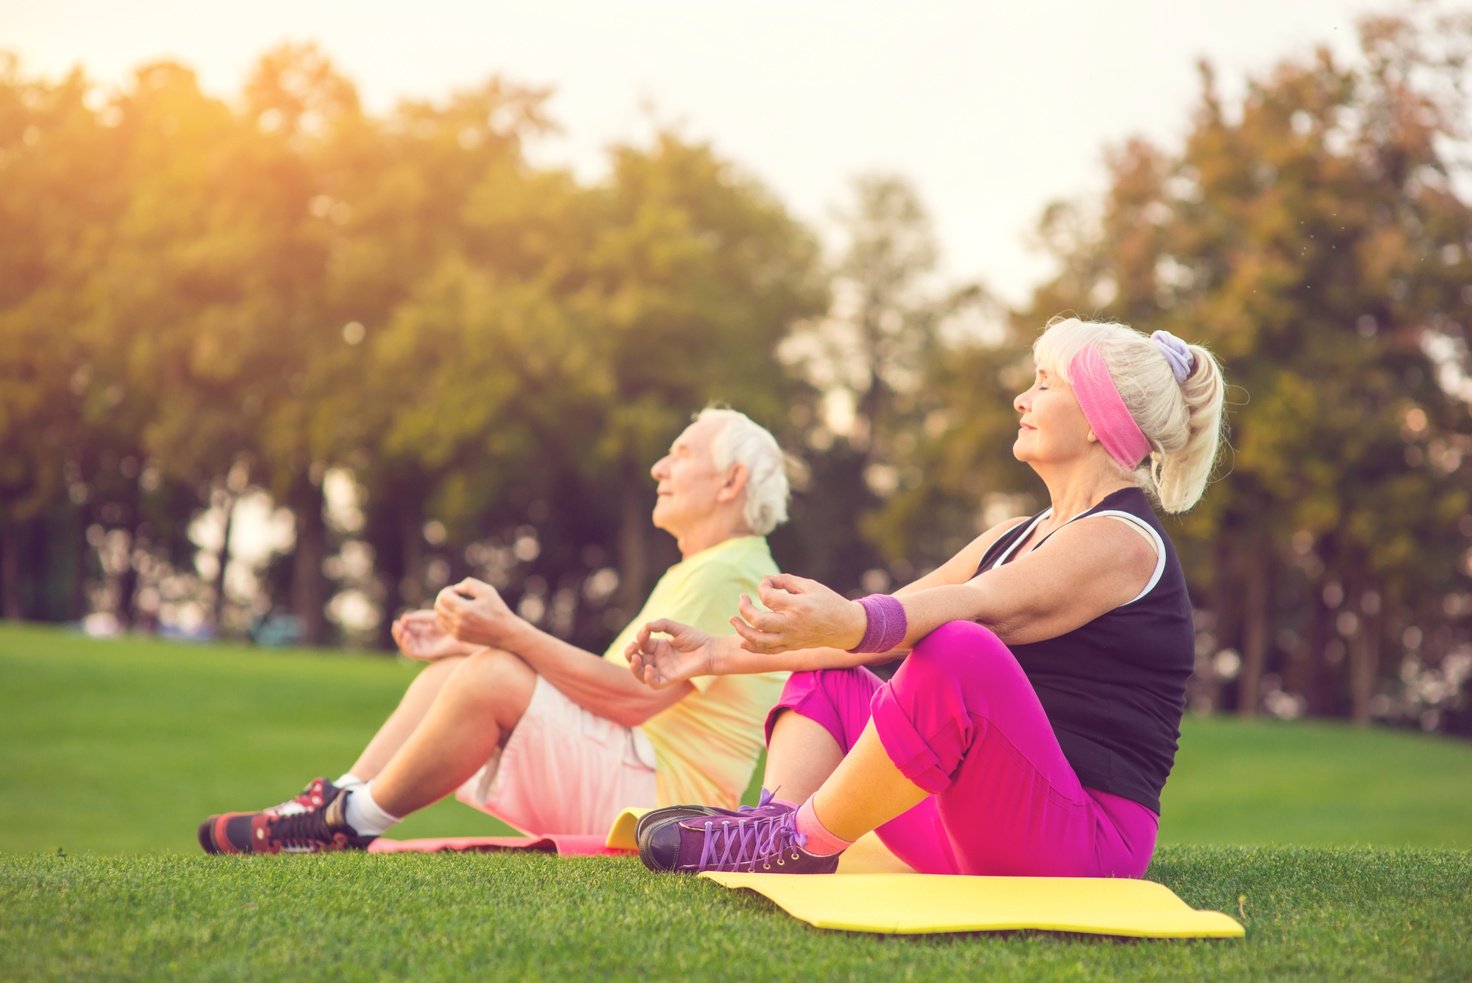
<point>348,780</point>
<point>365,815</point>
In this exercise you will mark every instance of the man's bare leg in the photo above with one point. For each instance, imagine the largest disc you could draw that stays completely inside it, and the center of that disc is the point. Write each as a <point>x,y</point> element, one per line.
<point>476,706</point>
<point>412,708</point>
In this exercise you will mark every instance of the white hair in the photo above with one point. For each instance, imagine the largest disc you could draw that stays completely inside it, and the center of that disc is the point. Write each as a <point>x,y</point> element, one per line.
<point>742,441</point>
<point>1181,420</point>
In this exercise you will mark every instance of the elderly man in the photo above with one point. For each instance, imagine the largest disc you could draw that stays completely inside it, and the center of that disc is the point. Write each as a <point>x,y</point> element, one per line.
<point>535,731</point>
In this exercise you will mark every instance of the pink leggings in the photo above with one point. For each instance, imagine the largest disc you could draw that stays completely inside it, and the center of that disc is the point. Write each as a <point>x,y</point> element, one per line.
<point>961,720</point>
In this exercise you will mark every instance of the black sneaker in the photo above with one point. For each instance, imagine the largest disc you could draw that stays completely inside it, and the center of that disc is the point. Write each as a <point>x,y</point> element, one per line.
<point>319,830</point>
<point>318,793</point>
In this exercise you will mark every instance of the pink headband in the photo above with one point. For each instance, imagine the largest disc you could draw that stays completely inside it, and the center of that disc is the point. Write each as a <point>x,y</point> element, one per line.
<point>1105,411</point>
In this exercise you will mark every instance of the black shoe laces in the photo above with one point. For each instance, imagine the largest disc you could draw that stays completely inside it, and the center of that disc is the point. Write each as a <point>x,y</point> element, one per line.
<point>307,829</point>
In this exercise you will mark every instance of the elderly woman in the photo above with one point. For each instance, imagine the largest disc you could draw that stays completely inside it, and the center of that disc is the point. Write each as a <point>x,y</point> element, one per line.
<point>1034,721</point>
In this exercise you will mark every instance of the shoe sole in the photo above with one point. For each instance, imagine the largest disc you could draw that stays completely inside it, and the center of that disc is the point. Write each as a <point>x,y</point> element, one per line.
<point>211,834</point>
<point>651,821</point>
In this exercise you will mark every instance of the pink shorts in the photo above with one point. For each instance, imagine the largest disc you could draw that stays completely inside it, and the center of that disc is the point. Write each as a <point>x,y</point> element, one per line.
<point>961,720</point>
<point>564,769</point>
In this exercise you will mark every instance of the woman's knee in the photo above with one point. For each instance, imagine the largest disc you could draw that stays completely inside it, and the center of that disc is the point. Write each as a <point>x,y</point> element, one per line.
<point>836,699</point>
<point>963,647</point>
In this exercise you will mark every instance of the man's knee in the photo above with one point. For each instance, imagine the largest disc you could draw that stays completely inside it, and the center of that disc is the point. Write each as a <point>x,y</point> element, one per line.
<point>494,682</point>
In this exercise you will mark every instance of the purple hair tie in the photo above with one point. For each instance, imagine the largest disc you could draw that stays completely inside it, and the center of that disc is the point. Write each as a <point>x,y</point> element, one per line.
<point>1182,360</point>
<point>886,626</point>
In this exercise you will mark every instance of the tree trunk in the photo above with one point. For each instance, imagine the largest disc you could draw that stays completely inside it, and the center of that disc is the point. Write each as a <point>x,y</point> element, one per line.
<point>83,556</point>
<point>410,587</point>
<point>123,606</point>
<point>217,612</point>
<point>1225,601</point>
<point>1311,677</point>
<point>399,561</point>
<point>308,582</point>
<point>633,549</point>
<point>10,607</point>
<point>1364,657</point>
<point>1256,619</point>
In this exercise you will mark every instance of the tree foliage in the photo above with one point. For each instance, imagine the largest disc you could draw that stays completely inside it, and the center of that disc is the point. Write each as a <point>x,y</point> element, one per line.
<point>1318,236</point>
<point>207,302</point>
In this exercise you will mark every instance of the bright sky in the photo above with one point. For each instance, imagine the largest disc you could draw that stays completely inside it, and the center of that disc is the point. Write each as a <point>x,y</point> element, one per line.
<point>991,109</point>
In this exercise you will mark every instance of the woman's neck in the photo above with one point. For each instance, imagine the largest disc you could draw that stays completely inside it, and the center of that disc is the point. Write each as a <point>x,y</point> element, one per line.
<point>1077,490</point>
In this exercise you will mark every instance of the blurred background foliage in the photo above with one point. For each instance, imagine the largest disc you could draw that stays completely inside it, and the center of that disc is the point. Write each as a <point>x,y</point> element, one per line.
<point>274,367</point>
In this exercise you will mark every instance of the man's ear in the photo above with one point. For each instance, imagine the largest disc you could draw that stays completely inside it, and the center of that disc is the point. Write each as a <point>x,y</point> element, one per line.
<point>734,487</point>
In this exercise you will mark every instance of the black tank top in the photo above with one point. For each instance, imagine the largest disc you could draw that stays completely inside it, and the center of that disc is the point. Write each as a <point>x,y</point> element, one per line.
<point>1115,688</point>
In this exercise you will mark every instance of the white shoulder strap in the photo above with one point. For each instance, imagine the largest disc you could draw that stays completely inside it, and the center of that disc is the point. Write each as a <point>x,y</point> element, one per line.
<point>1149,530</point>
<point>1022,538</point>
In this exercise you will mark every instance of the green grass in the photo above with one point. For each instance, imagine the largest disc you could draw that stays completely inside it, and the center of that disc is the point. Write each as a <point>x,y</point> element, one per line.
<point>1311,914</point>
<point>123,746</point>
<point>1346,853</point>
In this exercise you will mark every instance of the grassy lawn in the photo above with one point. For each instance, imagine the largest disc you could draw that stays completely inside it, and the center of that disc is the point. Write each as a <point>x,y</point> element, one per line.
<point>1346,853</point>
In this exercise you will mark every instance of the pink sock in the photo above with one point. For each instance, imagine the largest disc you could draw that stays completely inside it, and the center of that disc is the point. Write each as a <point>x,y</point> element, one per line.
<point>821,841</point>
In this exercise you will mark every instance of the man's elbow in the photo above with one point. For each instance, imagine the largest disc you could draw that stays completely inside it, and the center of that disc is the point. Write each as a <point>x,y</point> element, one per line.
<point>634,711</point>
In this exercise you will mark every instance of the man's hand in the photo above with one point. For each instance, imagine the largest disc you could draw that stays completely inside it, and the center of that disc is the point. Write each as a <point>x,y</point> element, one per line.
<point>662,662</point>
<point>473,612</point>
<point>800,614</point>
<point>419,636</point>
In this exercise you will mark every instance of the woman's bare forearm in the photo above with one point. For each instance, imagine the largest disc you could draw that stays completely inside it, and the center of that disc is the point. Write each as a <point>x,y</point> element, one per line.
<point>730,659</point>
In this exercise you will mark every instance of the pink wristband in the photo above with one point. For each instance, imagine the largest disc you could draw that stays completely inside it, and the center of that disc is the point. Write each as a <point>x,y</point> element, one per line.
<point>886,626</point>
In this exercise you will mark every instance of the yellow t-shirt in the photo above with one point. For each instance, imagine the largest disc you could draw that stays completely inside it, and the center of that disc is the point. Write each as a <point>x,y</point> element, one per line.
<point>706,745</point>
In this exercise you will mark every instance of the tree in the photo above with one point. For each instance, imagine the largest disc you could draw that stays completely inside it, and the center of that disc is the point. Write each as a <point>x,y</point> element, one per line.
<point>873,358</point>
<point>55,192</point>
<point>1315,237</point>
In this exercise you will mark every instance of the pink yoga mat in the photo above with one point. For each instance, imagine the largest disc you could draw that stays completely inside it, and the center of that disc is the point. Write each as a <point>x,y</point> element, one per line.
<point>572,845</point>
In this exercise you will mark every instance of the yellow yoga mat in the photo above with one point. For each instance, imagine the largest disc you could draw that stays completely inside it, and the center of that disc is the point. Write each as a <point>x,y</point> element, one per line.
<point>621,834</point>
<point>921,903</point>
<point>874,891</point>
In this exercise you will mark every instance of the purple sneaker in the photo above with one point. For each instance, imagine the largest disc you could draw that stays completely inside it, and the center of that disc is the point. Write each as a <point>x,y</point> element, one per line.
<point>762,840</point>
<point>658,817</point>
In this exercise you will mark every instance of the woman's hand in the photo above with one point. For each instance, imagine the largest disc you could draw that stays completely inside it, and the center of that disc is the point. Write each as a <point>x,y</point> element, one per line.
<point>800,614</point>
<point>419,636</point>
<point>472,611</point>
<point>662,662</point>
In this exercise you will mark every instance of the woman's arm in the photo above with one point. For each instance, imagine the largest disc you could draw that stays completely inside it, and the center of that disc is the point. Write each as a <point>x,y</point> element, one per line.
<point>1089,568</point>
<point>688,652</point>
